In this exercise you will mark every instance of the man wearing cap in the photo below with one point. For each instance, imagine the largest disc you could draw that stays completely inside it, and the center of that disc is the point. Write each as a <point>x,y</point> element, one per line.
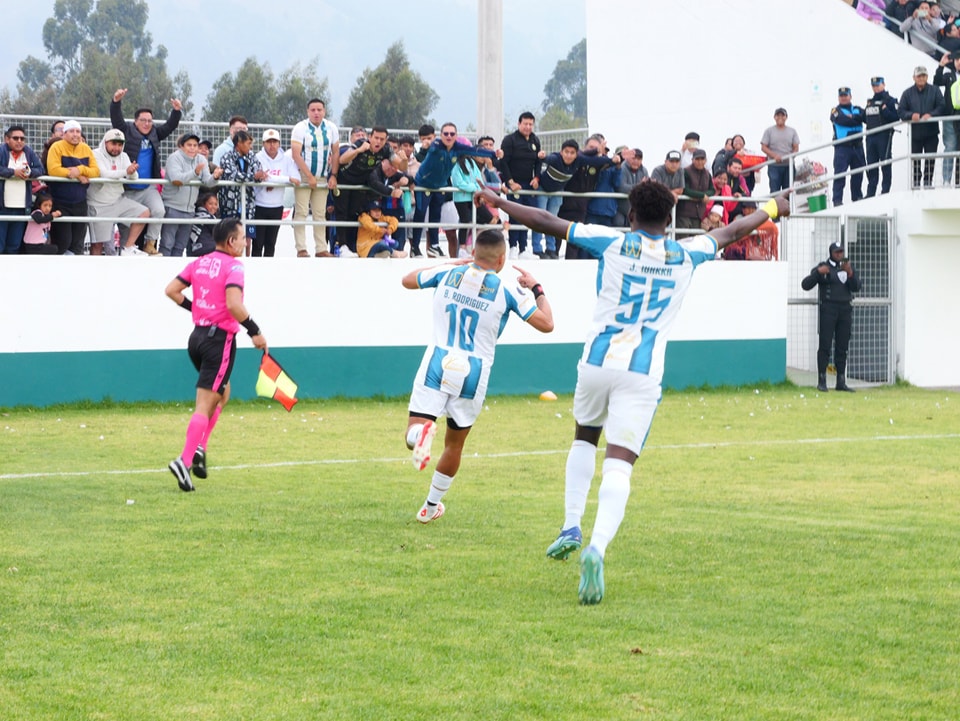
<point>107,200</point>
<point>142,145</point>
<point>670,173</point>
<point>837,282</point>
<point>71,158</point>
<point>881,109</point>
<point>779,140</point>
<point>697,185</point>
<point>315,147</point>
<point>920,102</point>
<point>183,166</point>
<point>280,168</point>
<point>947,77</point>
<point>847,120</point>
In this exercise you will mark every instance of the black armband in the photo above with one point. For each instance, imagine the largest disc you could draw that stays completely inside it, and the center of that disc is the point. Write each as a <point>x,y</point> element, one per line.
<point>186,303</point>
<point>251,326</point>
<point>537,291</point>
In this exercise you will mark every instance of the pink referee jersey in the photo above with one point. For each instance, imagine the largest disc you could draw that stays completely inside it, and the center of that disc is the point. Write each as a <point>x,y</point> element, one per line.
<point>211,275</point>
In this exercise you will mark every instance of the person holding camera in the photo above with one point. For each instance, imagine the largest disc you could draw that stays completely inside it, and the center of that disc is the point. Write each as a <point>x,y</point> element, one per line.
<point>837,283</point>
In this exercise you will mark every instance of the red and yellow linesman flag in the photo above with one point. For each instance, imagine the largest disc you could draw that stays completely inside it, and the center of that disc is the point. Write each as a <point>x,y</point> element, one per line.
<point>273,382</point>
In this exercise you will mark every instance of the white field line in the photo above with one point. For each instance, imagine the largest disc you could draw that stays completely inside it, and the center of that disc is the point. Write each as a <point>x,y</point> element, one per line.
<point>515,454</point>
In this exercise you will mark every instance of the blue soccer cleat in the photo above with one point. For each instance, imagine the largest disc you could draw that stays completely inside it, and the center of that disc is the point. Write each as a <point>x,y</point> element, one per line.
<point>569,540</point>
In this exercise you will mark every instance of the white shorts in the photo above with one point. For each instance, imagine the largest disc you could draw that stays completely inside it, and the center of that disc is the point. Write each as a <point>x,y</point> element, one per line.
<point>441,395</point>
<point>621,401</point>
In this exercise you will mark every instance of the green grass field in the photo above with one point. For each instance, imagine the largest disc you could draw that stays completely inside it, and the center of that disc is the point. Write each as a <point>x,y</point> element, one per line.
<point>785,555</point>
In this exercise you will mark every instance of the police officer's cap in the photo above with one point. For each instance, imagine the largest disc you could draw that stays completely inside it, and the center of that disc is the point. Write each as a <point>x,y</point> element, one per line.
<point>843,91</point>
<point>835,246</point>
<point>876,80</point>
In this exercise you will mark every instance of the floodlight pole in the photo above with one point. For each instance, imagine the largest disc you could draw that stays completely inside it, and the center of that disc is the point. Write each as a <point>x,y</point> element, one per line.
<point>490,68</point>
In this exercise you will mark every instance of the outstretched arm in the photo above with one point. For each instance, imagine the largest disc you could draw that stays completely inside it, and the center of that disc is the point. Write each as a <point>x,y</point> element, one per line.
<point>539,220</point>
<point>746,224</point>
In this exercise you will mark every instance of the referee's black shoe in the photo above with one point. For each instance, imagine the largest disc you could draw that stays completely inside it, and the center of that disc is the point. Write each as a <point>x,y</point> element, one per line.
<point>199,467</point>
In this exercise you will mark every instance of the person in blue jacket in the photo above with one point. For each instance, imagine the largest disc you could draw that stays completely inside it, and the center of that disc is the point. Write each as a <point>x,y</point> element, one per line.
<point>434,173</point>
<point>558,168</point>
<point>847,120</point>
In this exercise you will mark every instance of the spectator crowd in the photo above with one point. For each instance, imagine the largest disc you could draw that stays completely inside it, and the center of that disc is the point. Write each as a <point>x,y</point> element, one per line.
<point>375,194</point>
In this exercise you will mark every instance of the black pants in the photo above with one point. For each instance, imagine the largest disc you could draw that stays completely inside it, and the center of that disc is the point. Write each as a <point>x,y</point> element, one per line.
<point>349,204</point>
<point>265,244</point>
<point>836,324</point>
<point>924,144</point>
<point>465,215</point>
<point>878,148</point>
<point>69,236</point>
<point>848,157</point>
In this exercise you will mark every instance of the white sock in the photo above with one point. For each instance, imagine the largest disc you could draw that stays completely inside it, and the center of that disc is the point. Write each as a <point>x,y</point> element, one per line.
<point>413,433</point>
<point>439,485</point>
<point>614,491</point>
<point>581,465</point>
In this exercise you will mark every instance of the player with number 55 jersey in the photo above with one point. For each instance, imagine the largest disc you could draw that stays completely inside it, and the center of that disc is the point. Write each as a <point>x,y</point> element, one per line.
<point>472,302</point>
<point>642,277</point>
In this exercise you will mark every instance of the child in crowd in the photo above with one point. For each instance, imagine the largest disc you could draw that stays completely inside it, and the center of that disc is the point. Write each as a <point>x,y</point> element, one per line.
<point>374,241</point>
<point>36,238</point>
<point>201,235</point>
<point>713,218</point>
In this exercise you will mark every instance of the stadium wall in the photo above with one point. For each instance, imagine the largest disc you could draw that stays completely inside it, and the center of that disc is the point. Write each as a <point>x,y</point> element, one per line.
<point>93,329</point>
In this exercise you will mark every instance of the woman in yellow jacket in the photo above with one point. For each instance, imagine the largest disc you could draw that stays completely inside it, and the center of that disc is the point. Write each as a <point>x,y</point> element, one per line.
<point>375,241</point>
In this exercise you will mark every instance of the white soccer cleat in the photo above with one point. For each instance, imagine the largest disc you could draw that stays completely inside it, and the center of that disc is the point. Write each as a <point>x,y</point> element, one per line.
<point>428,513</point>
<point>421,449</point>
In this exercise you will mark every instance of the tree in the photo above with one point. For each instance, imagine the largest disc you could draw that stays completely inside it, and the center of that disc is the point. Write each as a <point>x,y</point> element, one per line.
<point>92,50</point>
<point>255,94</point>
<point>567,88</point>
<point>391,95</point>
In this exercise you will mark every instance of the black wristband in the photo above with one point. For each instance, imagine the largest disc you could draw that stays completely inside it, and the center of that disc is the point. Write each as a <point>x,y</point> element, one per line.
<point>537,291</point>
<point>186,303</point>
<point>251,326</point>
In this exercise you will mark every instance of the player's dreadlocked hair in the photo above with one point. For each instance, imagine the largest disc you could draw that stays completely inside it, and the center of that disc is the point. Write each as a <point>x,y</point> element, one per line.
<point>651,202</point>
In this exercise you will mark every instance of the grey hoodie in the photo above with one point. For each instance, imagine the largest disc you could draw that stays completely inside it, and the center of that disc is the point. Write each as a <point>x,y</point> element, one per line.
<point>181,167</point>
<point>110,167</point>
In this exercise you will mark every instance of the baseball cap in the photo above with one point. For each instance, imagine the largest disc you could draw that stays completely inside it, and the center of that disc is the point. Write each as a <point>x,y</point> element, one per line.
<point>673,155</point>
<point>182,140</point>
<point>699,153</point>
<point>374,205</point>
<point>271,134</point>
<point>919,70</point>
<point>780,111</point>
<point>71,125</point>
<point>835,246</point>
<point>113,134</point>
<point>876,80</point>
<point>208,143</point>
<point>843,90</point>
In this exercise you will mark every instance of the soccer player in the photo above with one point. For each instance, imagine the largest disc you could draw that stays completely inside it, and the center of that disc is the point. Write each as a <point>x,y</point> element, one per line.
<point>643,278</point>
<point>217,280</point>
<point>472,300</point>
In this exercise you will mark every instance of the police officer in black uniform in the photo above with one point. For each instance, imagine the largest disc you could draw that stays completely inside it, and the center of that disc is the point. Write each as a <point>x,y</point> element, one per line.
<point>847,122</point>
<point>837,283</point>
<point>881,109</point>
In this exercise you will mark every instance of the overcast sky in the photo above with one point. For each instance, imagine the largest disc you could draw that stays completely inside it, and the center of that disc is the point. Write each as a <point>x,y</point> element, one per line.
<point>212,37</point>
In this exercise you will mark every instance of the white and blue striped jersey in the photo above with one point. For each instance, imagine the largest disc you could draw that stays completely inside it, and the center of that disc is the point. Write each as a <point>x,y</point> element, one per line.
<point>471,307</point>
<point>641,282</point>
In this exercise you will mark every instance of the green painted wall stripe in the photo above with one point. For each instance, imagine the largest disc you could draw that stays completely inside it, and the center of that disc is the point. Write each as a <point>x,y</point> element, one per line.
<point>41,379</point>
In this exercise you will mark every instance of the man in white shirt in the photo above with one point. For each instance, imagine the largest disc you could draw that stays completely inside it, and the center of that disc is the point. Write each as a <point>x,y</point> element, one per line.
<point>315,146</point>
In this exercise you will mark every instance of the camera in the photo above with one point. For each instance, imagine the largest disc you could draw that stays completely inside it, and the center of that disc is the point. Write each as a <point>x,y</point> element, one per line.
<point>922,13</point>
